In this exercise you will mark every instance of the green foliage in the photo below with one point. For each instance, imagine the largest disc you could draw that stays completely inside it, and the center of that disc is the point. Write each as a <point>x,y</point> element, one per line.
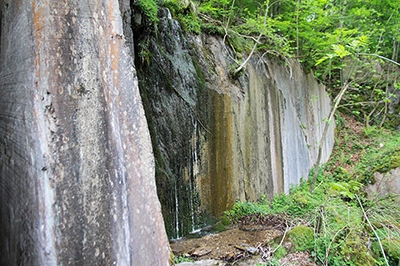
<point>345,42</point>
<point>191,24</point>
<point>149,9</point>
<point>339,41</point>
<point>299,203</point>
<point>185,12</point>
<point>319,24</point>
<point>302,238</point>
<point>271,262</point>
<point>181,259</point>
<point>280,252</point>
<point>175,6</point>
<point>347,189</point>
<point>332,223</point>
<point>241,22</point>
<point>219,227</point>
<point>381,156</point>
<point>391,246</point>
<point>384,214</point>
<point>217,9</point>
<point>356,253</point>
<point>241,209</point>
<point>375,149</point>
<point>341,51</point>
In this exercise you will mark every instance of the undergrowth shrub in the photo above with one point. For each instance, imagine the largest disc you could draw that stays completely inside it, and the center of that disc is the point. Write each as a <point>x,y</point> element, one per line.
<point>337,208</point>
<point>302,238</point>
<point>149,9</point>
<point>242,209</point>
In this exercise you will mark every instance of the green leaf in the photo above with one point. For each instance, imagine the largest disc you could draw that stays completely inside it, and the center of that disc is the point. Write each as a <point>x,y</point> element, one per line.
<point>328,56</point>
<point>340,50</point>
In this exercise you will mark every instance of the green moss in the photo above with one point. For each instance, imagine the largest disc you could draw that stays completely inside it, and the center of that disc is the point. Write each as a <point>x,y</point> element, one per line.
<point>233,74</point>
<point>356,252</point>
<point>392,247</point>
<point>395,161</point>
<point>219,227</point>
<point>175,6</point>
<point>225,220</point>
<point>302,238</point>
<point>199,71</point>
<point>238,44</point>
<point>380,159</point>
<point>190,23</point>
<point>280,252</point>
<point>388,161</point>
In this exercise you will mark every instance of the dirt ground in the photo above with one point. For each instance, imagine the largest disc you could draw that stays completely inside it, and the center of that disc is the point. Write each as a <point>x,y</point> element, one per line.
<point>246,243</point>
<point>224,245</point>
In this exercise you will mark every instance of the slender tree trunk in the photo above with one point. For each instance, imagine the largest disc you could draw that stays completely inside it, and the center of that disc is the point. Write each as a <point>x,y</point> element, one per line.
<point>395,55</point>
<point>387,92</point>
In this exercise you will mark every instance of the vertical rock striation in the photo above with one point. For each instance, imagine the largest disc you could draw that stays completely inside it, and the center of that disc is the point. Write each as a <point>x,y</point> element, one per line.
<point>76,166</point>
<point>218,139</point>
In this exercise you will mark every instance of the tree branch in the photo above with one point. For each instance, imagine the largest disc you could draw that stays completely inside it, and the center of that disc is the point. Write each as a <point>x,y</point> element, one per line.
<point>255,44</point>
<point>381,57</point>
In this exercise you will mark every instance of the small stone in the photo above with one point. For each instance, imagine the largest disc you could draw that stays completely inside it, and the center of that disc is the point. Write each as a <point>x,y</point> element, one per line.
<point>201,251</point>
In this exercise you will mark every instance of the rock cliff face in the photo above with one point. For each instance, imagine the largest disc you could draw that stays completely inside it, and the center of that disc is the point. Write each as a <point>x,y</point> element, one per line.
<point>76,163</point>
<point>76,166</point>
<point>217,139</point>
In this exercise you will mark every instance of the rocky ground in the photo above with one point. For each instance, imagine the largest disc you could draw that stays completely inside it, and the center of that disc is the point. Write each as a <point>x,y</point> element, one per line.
<point>225,245</point>
<point>243,244</point>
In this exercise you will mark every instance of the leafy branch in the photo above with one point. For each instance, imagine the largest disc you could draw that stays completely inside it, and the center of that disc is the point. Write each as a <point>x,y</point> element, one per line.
<point>341,51</point>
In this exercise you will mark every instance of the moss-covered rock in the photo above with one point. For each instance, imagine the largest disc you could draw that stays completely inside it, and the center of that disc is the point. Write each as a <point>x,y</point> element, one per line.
<point>280,252</point>
<point>302,238</point>
<point>395,161</point>
<point>389,161</point>
<point>356,252</point>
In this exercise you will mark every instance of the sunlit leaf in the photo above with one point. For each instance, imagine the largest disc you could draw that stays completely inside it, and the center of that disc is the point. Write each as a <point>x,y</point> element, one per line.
<point>340,50</point>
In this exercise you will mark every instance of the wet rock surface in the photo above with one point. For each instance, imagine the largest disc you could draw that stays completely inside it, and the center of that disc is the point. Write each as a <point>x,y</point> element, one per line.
<point>216,138</point>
